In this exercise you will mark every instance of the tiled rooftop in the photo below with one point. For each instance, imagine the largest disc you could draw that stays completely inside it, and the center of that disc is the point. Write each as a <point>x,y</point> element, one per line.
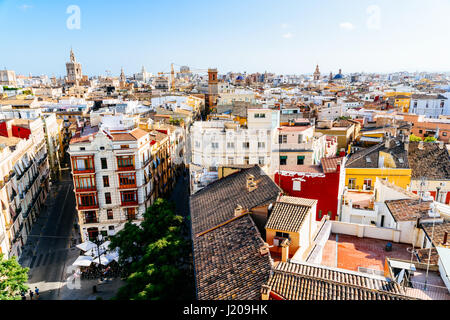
<point>289,214</point>
<point>228,264</point>
<point>227,259</point>
<point>439,231</point>
<point>351,252</point>
<point>303,281</point>
<point>329,165</point>
<point>431,162</point>
<point>396,150</point>
<point>408,209</point>
<point>215,204</point>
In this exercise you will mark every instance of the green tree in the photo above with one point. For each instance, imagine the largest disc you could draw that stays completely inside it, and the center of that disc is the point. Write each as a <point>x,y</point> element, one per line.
<point>12,279</point>
<point>415,138</point>
<point>156,256</point>
<point>430,139</point>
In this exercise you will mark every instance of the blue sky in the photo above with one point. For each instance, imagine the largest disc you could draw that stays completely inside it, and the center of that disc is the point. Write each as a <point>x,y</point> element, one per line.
<point>286,36</point>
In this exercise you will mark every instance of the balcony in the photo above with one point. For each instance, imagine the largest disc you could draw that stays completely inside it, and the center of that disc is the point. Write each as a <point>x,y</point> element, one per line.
<point>89,220</point>
<point>18,233</point>
<point>129,203</point>
<point>88,206</point>
<point>40,162</point>
<point>128,186</point>
<point>126,168</point>
<point>83,170</point>
<point>293,147</point>
<point>86,189</point>
<point>20,176</point>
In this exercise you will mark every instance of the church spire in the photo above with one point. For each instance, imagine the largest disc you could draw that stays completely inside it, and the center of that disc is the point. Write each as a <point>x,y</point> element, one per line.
<point>122,76</point>
<point>72,55</point>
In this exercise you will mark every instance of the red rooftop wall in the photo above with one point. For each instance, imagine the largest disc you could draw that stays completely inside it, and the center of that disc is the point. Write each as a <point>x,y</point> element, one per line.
<point>3,129</point>
<point>19,132</point>
<point>321,187</point>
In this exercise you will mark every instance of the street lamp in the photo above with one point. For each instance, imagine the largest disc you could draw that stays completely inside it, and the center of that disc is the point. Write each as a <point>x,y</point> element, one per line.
<point>98,241</point>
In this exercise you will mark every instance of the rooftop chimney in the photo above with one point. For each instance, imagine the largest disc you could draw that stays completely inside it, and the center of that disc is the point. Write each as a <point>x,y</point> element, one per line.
<point>406,145</point>
<point>251,184</point>
<point>265,292</point>
<point>285,250</point>
<point>420,145</point>
<point>388,142</point>
<point>441,145</point>
<point>238,211</point>
<point>444,242</point>
<point>264,250</point>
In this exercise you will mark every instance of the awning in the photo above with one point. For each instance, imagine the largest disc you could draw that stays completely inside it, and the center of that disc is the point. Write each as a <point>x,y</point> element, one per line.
<point>83,261</point>
<point>86,246</point>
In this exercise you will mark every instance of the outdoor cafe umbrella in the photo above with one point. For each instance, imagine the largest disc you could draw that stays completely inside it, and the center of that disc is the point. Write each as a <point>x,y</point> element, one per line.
<point>83,261</point>
<point>86,246</point>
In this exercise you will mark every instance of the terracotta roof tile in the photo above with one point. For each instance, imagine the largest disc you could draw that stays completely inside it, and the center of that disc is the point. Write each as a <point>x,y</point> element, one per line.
<point>408,209</point>
<point>431,162</point>
<point>228,264</point>
<point>215,204</point>
<point>123,137</point>
<point>329,165</point>
<point>439,231</point>
<point>304,281</point>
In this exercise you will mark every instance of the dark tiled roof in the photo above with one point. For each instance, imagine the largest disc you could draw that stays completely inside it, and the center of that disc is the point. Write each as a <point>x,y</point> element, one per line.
<point>227,259</point>
<point>439,231</point>
<point>431,162</point>
<point>289,215</point>
<point>408,209</point>
<point>314,282</point>
<point>396,150</point>
<point>228,264</point>
<point>215,204</point>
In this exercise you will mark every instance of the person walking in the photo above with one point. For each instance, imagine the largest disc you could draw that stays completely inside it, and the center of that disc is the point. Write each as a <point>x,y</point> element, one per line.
<point>31,295</point>
<point>36,290</point>
<point>24,297</point>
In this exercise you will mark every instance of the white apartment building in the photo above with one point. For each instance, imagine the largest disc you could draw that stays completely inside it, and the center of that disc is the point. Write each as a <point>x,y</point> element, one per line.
<point>113,177</point>
<point>330,111</point>
<point>236,95</point>
<point>431,106</point>
<point>295,146</point>
<point>220,142</point>
<point>24,185</point>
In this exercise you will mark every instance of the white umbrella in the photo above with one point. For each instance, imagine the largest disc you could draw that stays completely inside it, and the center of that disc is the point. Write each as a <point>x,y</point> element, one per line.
<point>86,246</point>
<point>114,255</point>
<point>83,261</point>
<point>103,260</point>
<point>103,248</point>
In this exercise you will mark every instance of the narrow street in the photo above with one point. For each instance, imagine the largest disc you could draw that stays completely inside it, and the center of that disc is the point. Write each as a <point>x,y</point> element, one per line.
<point>48,246</point>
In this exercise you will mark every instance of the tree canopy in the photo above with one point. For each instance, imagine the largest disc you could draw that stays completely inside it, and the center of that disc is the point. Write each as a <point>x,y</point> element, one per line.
<point>413,138</point>
<point>430,139</point>
<point>155,255</point>
<point>12,279</point>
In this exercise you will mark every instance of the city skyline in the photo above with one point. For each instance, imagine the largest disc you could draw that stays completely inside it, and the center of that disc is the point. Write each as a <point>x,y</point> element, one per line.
<point>369,36</point>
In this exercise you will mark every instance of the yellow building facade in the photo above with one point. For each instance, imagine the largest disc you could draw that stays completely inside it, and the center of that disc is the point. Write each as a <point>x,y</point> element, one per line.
<point>356,178</point>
